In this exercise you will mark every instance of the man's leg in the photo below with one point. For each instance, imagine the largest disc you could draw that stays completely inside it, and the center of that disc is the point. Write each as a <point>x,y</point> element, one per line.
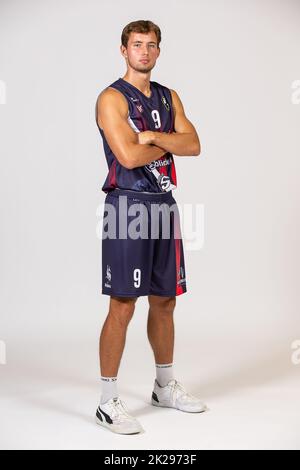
<point>160,327</point>
<point>167,391</point>
<point>112,412</point>
<point>113,334</point>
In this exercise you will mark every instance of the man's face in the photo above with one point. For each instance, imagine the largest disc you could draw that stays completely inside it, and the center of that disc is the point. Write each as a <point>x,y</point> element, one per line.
<point>141,47</point>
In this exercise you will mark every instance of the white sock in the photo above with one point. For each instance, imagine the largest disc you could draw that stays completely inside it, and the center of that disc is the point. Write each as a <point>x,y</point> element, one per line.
<point>109,388</point>
<point>164,373</point>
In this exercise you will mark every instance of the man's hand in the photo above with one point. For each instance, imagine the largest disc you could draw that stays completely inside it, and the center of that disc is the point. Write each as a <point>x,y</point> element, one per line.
<point>146,137</point>
<point>184,141</point>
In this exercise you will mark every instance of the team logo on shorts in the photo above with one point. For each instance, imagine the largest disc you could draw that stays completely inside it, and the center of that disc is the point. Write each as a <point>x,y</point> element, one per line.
<point>165,103</point>
<point>108,276</point>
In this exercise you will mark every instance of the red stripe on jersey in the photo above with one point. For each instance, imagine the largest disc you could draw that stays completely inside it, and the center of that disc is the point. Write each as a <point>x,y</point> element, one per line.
<point>112,175</point>
<point>173,173</point>
<point>163,170</point>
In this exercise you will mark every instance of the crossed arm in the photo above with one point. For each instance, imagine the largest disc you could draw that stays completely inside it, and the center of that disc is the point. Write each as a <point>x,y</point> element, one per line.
<point>135,149</point>
<point>184,141</point>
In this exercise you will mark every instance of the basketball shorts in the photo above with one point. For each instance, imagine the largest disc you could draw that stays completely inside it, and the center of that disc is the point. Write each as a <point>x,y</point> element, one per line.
<point>142,249</point>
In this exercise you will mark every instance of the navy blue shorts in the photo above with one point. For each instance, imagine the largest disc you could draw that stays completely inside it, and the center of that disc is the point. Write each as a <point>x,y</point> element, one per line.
<point>142,251</point>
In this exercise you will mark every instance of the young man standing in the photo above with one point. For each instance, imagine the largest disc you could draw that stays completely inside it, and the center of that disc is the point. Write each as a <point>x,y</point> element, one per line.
<point>142,124</point>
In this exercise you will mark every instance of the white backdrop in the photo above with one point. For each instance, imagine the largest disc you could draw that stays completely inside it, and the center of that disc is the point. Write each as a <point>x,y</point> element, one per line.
<point>234,65</point>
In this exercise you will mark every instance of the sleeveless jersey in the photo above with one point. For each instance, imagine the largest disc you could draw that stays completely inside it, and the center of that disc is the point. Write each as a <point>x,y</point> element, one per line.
<point>153,113</point>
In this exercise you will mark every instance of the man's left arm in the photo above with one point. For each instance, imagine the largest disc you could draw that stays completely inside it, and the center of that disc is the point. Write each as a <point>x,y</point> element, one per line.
<point>183,142</point>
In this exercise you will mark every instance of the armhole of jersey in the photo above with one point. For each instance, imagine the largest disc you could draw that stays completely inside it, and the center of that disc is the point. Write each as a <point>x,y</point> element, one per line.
<point>171,99</point>
<point>100,128</point>
<point>172,109</point>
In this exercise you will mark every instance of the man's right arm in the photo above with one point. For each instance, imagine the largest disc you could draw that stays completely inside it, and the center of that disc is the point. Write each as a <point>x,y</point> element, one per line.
<point>112,110</point>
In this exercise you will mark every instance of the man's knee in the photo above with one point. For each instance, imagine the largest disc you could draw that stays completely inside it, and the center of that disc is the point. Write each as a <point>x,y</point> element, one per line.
<point>162,305</point>
<point>122,308</point>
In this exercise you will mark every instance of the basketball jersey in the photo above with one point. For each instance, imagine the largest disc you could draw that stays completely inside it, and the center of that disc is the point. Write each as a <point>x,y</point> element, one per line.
<point>153,113</point>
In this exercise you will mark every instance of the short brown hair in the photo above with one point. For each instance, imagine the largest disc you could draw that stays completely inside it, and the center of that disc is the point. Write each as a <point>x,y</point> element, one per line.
<point>140,26</point>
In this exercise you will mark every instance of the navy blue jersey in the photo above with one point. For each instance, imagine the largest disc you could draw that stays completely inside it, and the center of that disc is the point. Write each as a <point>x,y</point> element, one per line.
<point>153,113</point>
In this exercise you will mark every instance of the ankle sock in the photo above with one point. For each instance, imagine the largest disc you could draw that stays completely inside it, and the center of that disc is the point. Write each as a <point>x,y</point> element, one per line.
<point>164,373</point>
<point>109,388</point>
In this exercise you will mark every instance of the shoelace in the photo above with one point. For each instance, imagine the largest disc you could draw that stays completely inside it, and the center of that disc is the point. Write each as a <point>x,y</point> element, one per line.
<point>178,391</point>
<point>118,408</point>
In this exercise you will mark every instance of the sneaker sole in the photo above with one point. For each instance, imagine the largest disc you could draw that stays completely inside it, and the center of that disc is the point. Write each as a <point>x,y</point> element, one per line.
<point>115,429</point>
<point>154,403</point>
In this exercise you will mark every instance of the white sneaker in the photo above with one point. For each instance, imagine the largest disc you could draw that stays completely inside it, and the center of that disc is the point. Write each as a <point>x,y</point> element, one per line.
<point>174,395</point>
<point>114,415</point>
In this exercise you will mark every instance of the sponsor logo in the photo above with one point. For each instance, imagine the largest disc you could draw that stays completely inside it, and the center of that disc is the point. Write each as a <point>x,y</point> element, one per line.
<point>164,182</point>
<point>139,106</point>
<point>181,278</point>
<point>158,163</point>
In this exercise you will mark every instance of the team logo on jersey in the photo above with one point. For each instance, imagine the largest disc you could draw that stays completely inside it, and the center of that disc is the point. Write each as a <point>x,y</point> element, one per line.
<point>108,277</point>
<point>133,99</point>
<point>165,103</point>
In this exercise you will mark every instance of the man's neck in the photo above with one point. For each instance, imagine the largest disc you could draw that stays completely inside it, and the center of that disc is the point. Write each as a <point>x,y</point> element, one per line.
<point>140,82</point>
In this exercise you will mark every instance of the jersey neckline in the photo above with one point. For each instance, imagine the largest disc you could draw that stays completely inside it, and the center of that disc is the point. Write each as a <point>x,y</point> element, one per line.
<point>145,96</point>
